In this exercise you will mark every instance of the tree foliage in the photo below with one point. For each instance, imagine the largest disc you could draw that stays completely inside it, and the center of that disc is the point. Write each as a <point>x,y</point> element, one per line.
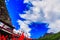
<point>51,37</point>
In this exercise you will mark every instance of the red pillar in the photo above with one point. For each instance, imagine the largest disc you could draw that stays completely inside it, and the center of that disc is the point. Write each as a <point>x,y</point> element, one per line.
<point>3,38</point>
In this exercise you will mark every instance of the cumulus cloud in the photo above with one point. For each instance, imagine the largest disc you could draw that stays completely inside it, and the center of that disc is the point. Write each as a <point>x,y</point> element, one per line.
<point>24,28</point>
<point>51,11</point>
<point>54,27</point>
<point>47,11</point>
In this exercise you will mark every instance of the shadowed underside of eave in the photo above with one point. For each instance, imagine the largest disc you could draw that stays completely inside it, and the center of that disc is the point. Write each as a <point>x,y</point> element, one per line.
<point>4,13</point>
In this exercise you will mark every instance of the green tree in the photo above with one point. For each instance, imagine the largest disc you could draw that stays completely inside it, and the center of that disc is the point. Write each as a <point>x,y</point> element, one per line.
<point>51,37</point>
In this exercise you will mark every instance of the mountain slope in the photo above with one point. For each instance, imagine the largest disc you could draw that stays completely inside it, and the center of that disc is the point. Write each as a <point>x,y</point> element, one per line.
<point>51,37</point>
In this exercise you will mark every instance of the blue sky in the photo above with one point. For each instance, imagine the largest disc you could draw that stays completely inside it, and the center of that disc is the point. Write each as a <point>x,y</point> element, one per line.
<point>16,7</point>
<point>34,17</point>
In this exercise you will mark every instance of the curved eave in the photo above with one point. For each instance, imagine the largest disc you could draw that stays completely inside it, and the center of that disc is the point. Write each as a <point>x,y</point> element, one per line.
<point>7,24</point>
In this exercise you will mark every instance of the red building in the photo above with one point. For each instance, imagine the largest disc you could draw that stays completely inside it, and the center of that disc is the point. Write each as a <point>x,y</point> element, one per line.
<point>6,32</point>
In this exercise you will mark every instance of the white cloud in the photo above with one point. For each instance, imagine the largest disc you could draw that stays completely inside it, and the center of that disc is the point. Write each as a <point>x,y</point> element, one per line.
<point>24,27</point>
<point>54,27</point>
<point>32,17</point>
<point>26,1</point>
<point>51,11</point>
<point>52,15</point>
